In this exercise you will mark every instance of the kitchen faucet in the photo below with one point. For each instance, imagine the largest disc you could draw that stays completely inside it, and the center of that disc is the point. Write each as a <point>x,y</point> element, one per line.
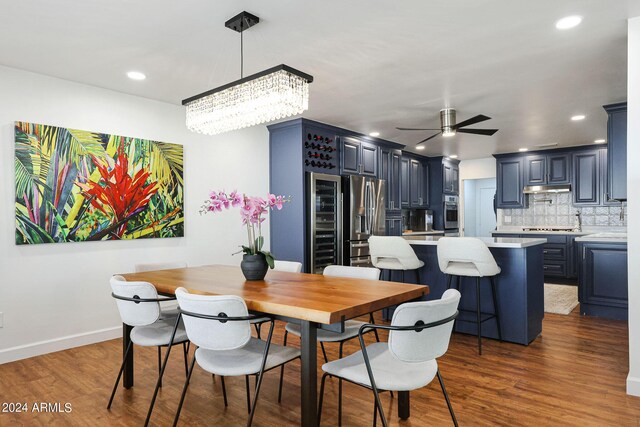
<point>578,226</point>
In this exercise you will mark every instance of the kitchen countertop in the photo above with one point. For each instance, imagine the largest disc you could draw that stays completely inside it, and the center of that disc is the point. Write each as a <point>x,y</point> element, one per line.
<point>563,232</point>
<point>422,233</point>
<point>491,242</point>
<point>604,238</point>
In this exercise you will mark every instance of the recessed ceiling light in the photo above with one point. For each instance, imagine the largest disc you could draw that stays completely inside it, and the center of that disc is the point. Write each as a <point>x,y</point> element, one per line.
<point>568,22</point>
<point>136,75</point>
<point>523,149</point>
<point>374,134</point>
<point>600,141</point>
<point>578,117</point>
<point>420,147</point>
<point>453,156</point>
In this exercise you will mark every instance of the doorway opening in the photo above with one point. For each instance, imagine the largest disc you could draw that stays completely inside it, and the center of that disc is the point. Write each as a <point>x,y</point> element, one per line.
<point>479,212</point>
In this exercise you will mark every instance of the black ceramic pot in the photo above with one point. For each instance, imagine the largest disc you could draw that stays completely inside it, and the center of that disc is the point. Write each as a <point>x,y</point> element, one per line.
<point>254,267</point>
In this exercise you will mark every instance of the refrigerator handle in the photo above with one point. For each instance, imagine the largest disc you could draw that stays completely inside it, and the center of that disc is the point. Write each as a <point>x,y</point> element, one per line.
<point>367,207</point>
<point>374,210</point>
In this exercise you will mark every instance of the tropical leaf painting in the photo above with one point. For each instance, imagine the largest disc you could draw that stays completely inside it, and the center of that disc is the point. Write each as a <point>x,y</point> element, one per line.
<point>74,185</point>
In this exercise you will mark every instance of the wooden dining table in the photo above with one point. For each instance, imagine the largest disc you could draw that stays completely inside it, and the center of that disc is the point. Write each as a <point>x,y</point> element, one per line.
<point>311,300</point>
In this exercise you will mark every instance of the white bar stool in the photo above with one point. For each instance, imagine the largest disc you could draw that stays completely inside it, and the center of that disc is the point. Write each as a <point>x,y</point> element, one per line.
<point>394,253</point>
<point>470,257</point>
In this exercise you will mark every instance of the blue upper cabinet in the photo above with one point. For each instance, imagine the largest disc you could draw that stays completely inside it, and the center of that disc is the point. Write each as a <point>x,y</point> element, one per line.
<point>418,183</point>
<point>586,183</point>
<point>510,182</point>
<point>617,156</point>
<point>450,177</point>
<point>358,157</point>
<point>390,172</point>
<point>404,182</point>
<point>548,169</point>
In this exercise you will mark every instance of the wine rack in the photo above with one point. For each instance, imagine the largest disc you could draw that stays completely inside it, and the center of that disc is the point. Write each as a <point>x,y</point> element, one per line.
<point>320,153</point>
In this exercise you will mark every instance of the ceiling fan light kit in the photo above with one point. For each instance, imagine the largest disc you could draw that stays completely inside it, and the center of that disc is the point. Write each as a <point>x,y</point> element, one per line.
<point>272,94</point>
<point>449,127</point>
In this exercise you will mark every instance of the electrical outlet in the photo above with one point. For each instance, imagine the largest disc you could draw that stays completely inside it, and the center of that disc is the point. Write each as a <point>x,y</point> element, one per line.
<point>1,320</point>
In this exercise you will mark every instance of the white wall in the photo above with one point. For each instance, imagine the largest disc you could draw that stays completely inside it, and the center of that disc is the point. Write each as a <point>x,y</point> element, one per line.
<point>474,169</point>
<point>633,195</point>
<point>56,296</point>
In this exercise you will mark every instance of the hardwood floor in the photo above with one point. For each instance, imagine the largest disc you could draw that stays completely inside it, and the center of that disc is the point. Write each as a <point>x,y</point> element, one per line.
<point>574,374</point>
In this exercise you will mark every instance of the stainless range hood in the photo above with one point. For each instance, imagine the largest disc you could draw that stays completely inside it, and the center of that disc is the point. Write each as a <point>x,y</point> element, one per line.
<point>542,189</point>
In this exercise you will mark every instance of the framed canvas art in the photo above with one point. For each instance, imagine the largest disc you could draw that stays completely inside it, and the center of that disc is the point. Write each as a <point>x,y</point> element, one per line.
<point>75,185</point>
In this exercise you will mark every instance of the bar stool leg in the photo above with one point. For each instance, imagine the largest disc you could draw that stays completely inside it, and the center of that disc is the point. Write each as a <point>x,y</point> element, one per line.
<point>478,316</point>
<point>449,278</point>
<point>495,306</point>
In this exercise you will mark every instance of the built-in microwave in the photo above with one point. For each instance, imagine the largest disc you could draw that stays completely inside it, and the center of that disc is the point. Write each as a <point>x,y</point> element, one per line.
<point>450,212</point>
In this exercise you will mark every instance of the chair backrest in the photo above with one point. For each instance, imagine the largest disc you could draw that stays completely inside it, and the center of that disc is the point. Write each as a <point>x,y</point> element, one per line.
<point>151,266</point>
<point>467,250</point>
<point>430,343</point>
<point>394,247</point>
<point>132,313</point>
<point>288,266</point>
<point>213,334</point>
<point>370,273</point>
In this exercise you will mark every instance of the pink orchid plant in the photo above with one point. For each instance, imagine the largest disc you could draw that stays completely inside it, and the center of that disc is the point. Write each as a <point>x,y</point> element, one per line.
<point>253,212</point>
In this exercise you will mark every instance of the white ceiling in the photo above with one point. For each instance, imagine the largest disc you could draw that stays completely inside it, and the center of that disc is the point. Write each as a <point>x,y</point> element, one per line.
<point>376,64</point>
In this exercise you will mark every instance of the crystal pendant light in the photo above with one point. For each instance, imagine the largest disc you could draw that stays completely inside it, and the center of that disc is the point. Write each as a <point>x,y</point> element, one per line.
<point>271,94</point>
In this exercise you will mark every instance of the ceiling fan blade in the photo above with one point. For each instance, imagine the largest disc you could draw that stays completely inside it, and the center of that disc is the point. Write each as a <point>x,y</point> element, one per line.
<point>473,120</point>
<point>432,136</point>
<point>487,132</point>
<point>416,129</point>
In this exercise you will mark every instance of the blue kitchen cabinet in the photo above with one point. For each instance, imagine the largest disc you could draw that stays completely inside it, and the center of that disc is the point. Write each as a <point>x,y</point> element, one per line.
<point>617,141</point>
<point>404,182</point>
<point>418,184</point>
<point>390,172</point>
<point>603,280</point>
<point>586,178</point>
<point>510,182</point>
<point>358,157</point>
<point>546,169</point>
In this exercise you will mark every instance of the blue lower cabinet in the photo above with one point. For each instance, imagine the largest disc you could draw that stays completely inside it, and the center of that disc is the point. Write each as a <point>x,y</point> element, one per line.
<point>603,283</point>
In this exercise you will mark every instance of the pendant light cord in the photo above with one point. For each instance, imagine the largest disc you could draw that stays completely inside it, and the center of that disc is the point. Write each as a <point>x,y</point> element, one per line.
<point>241,51</point>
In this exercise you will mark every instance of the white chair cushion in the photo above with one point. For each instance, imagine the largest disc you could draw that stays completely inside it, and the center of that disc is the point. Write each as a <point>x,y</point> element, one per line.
<point>169,310</point>
<point>260,320</point>
<point>393,264</point>
<point>351,328</point>
<point>389,372</point>
<point>158,333</point>
<point>244,360</point>
<point>467,269</point>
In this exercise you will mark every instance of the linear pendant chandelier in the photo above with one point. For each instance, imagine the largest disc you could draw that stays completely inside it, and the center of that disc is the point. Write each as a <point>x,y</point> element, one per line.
<point>271,94</point>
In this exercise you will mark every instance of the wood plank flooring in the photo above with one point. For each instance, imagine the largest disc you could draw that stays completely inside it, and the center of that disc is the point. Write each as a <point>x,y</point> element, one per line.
<point>572,375</point>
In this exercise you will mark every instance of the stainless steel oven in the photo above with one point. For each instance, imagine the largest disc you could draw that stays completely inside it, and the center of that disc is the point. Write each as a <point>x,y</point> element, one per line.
<point>450,212</point>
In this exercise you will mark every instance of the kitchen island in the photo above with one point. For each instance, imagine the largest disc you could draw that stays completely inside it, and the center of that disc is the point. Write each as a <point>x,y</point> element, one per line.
<point>520,286</point>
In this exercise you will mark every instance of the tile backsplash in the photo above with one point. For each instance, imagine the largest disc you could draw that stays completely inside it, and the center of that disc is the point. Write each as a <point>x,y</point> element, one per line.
<point>557,209</point>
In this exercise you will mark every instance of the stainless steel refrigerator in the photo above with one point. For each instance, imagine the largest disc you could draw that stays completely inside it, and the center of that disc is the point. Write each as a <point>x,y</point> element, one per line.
<point>325,225</point>
<point>364,216</point>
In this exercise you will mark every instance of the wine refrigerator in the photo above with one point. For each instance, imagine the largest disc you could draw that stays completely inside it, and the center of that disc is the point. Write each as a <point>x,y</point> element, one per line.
<point>325,225</point>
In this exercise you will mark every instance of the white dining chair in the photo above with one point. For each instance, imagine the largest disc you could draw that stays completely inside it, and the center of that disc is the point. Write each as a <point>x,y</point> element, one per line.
<point>288,266</point>
<point>470,257</point>
<point>168,309</point>
<point>218,325</point>
<point>138,305</point>
<point>419,334</point>
<point>351,327</point>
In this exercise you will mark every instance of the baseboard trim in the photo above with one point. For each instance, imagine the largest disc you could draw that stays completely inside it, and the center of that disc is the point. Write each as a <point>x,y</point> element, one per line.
<point>64,343</point>
<point>633,385</point>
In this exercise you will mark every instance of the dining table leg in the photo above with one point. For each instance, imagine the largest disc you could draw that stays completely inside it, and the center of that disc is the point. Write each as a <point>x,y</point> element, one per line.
<point>309,374</point>
<point>403,405</point>
<point>127,380</point>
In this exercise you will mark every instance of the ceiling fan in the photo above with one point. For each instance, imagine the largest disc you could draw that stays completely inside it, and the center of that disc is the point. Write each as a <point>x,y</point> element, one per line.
<point>449,127</point>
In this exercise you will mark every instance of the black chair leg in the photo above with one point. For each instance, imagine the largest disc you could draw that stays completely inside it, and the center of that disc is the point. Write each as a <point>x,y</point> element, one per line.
<point>159,363</point>
<point>281,381</point>
<point>446,397</point>
<point>224,391</point>
<point>479,316</point>
<point>375,413</point>
<point>184,391</point>
<point>115,386</point>
<point>340,390</point>
<point>185,351</point>
<point>257,327</point>
<point>324,377</point>
<point>286,334</point>
<point>495,306</point>
<point>246,381</point>
<point>375,331</point>
<point>324,353</point>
